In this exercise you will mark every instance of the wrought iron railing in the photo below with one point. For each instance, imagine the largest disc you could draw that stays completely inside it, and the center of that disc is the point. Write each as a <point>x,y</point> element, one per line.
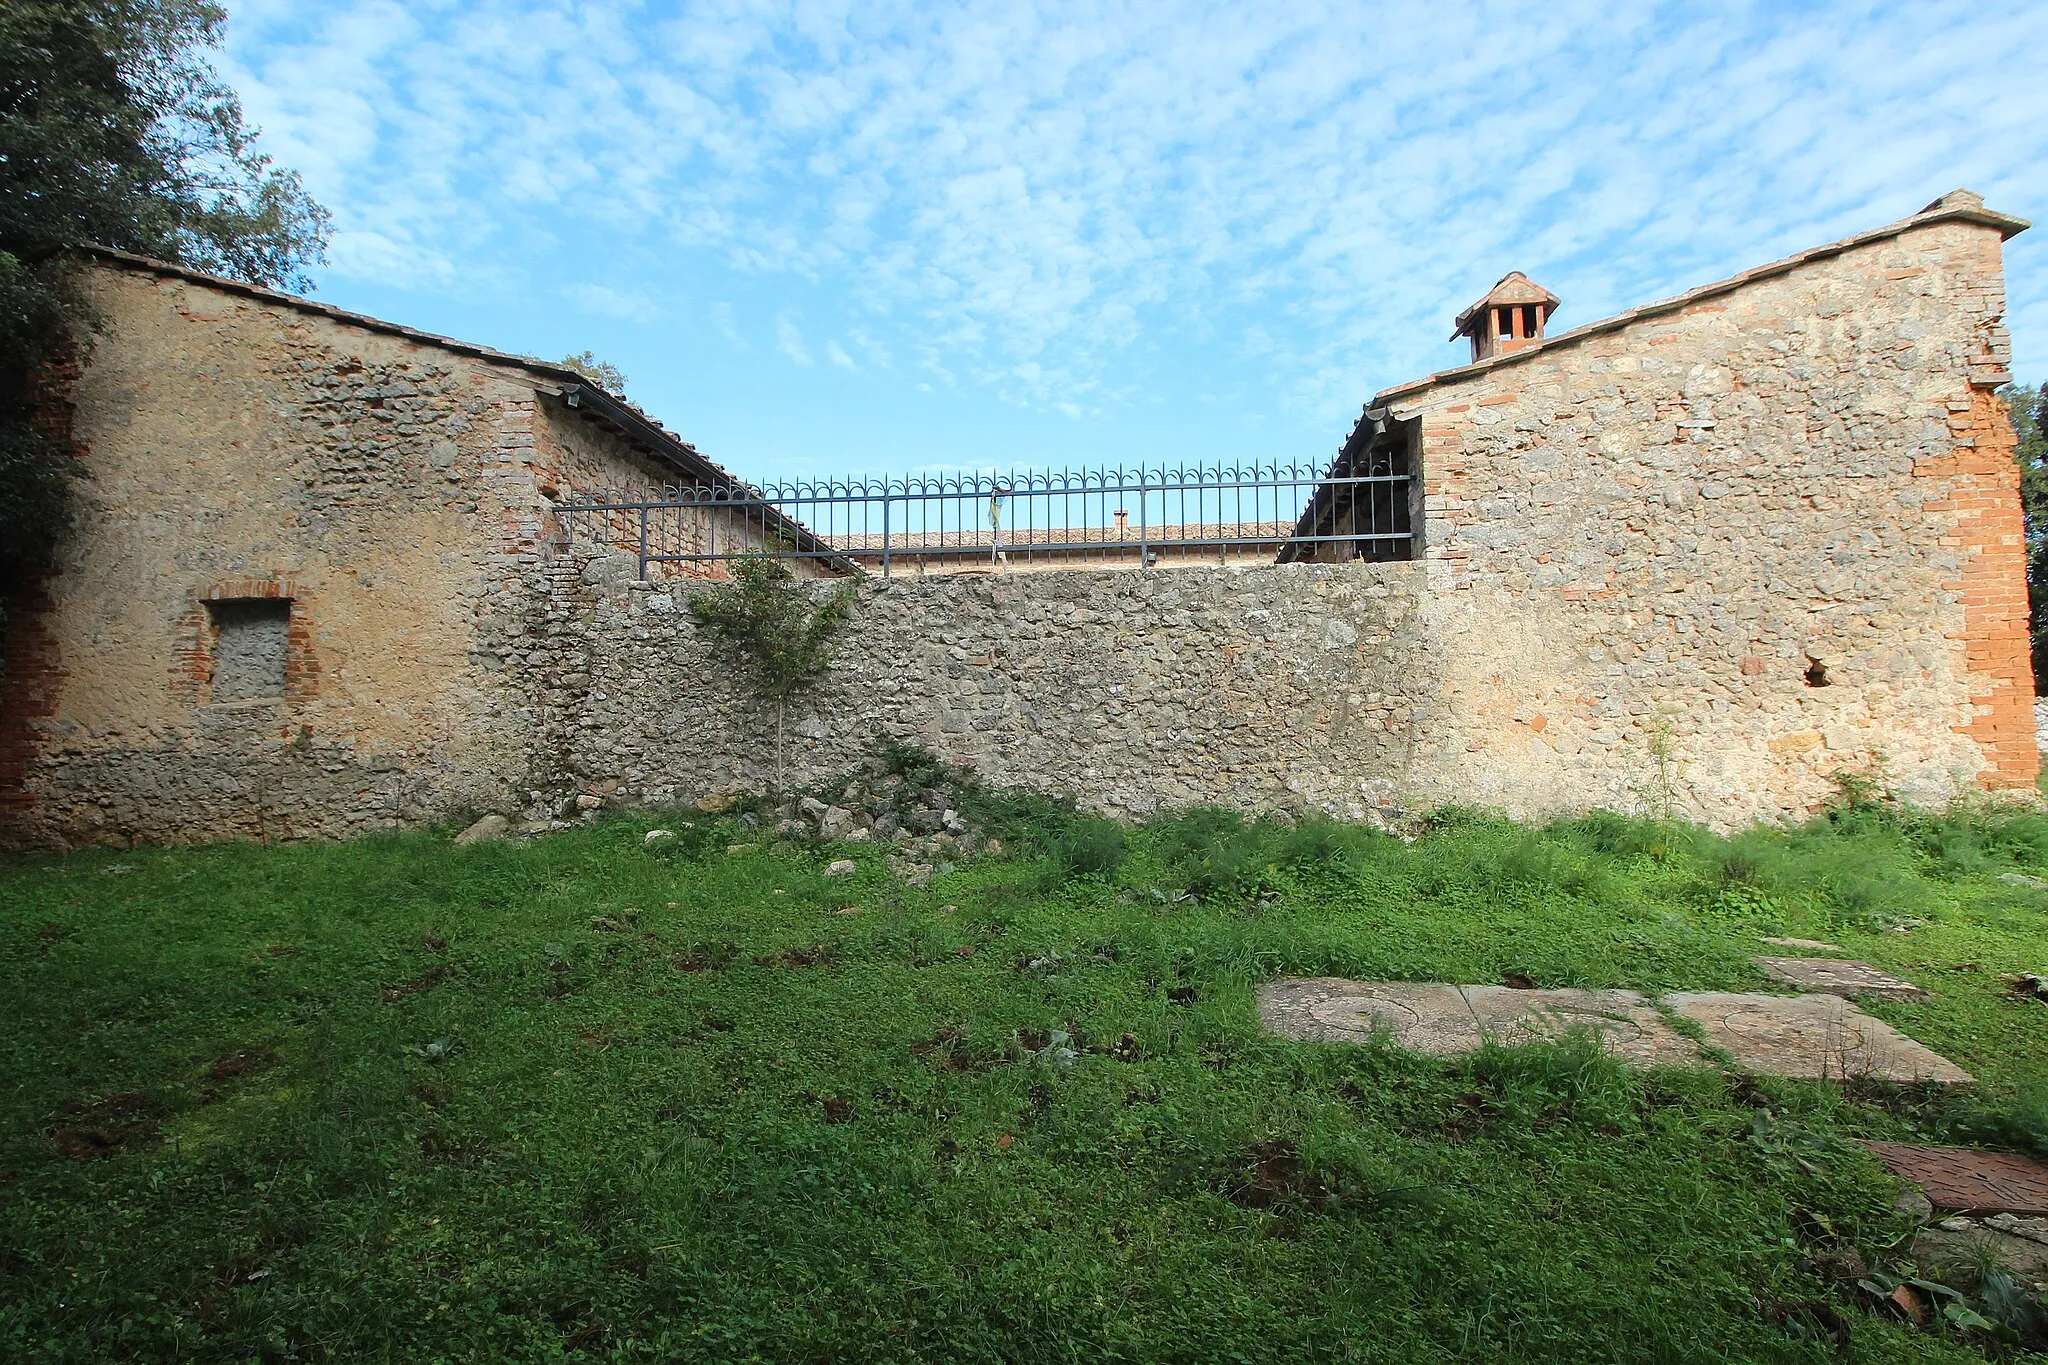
<point>1028,519</point>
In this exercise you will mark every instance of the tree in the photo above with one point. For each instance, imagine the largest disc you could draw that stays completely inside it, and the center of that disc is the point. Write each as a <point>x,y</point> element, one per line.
<point>606,376</point>
<point>775,627</point>
<point>2029,409</point>
<point>115,131</point>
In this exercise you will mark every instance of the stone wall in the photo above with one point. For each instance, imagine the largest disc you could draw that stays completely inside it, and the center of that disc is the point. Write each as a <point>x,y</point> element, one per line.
<point>1279,687</point>
<point>242,448</point>
<point>1705,555</point>
<point>1669,529</point>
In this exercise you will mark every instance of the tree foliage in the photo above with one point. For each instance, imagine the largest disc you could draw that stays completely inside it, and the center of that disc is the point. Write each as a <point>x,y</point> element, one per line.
<point>2029,409</point>
<point>604,374</point>
<point>115,131</point>
<point>777,629</point>
<point>771,621</point>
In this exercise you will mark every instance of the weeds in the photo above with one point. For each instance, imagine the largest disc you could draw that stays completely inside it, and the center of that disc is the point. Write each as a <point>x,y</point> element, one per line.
<point>1661,794</point>
<point>594,1098</point>
<point>1216,854</point>
<point>2020,1122</point>
<point>1570,1080</point>
<point>1088,847</point>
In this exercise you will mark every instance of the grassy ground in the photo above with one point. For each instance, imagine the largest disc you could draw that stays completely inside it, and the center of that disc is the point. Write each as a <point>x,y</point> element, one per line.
<point>397,1100</point>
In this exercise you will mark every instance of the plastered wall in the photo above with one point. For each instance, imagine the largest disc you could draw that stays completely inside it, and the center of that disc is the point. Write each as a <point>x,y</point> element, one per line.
<point>236,449</point>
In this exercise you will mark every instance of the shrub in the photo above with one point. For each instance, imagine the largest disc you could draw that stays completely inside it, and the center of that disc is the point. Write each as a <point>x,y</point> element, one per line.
<point>1218,855</point>
<point>1624,836</point>
<point>1080,845</point>
<point>915,764</point>
<point>1090,846</point>
<point>1975,839</point>
<point>1532,861</point>
<point>1215,854</point>
<point>770,621</point>
<point>2021,1123</point>
<point>1330,845</point>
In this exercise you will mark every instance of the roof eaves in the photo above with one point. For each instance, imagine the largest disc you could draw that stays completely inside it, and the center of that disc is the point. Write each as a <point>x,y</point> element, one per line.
<point>638,427</point>
<point>530,364</point>
<point>2006,224</point>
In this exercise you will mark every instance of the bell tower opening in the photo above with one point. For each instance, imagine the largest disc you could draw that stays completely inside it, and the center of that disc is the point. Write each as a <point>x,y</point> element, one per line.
<point>1511,316</point>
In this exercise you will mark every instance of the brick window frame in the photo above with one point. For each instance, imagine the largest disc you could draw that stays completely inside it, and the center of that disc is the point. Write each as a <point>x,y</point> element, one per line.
<point>226,602</point>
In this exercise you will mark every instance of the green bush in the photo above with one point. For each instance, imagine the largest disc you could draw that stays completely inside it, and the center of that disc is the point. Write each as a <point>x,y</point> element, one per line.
<point>1216,854</point>
<point>1622,836</point>
<point>1533,861</point>
<point>2021,1123</point>
<point>1090,846</point>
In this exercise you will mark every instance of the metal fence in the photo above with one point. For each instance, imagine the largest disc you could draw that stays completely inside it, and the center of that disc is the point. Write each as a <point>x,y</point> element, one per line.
<point>1028,519</point>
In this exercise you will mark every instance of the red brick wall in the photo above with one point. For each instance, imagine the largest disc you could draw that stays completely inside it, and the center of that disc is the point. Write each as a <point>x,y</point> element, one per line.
<point>1990,531</point>
<point>33,682</point>
<point>33,677</point>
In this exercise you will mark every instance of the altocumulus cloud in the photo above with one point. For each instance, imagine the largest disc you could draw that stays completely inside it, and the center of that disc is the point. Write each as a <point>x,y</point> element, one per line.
<point>1027,197</point>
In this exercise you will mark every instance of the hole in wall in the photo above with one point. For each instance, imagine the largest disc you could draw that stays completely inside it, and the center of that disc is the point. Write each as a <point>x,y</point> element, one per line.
<point>1817,673</point>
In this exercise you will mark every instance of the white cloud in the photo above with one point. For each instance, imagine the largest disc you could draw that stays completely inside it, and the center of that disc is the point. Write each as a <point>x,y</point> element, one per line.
<point>722,323</point>
<point>606,301</point>
<point>836,353</point>
<point>789,339</point>
<point>1033,199</point>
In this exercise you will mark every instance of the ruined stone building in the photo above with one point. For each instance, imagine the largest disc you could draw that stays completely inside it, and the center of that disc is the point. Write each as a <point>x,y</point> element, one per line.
<point>1702,555</point>
<point>294,518</point>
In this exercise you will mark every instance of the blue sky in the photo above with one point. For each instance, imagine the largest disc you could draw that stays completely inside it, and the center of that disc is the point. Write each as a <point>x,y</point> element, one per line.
<point>867,237</point>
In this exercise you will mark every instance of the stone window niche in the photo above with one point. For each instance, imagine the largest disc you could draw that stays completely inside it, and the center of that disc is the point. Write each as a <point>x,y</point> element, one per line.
<point>250,640</point>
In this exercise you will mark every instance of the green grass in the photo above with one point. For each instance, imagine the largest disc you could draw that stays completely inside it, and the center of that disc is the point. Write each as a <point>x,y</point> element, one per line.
<point>395,1100</point>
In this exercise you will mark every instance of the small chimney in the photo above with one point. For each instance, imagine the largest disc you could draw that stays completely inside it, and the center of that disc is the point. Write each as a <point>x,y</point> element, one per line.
<point>1123,519</point>
<point>1510,317</point>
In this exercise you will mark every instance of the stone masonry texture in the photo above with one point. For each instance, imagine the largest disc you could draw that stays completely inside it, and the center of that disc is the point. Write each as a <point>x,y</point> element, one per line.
<point>1290,687</point>
<point>1664,529</point>
<point>1702,558</point>
<point>241,449</point>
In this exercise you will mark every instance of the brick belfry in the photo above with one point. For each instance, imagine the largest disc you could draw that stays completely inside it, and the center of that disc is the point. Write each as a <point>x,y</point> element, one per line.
<point>1510,317</point>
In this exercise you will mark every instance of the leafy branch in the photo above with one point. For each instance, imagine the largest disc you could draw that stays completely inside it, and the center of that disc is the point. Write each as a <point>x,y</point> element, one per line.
<point>770,621</point>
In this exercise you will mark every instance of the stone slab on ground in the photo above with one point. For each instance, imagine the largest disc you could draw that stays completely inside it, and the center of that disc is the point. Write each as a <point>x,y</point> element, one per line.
<point>1422,1016</point>
<point>1629,1026</point>
<point>1810,943</point>
<point>1813,1037</point>
<point>1832,976</point>
<point>1445,1020</point>
<point>1942,1248</point>
<point>1964,1179</point>
<point>1817,1037</point>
